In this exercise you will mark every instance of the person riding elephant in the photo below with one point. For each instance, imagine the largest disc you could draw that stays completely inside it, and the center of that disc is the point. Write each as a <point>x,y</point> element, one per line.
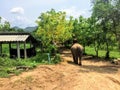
<point>77,52</point>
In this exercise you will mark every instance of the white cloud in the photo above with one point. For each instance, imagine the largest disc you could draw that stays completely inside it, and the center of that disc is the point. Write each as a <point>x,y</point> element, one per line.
<point>19,19</point>
<point>73,11</point>
<point>17,10</point>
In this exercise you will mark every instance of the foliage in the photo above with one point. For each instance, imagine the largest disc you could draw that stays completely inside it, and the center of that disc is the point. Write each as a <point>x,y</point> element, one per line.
<point>102,12</point>
<point>8,66</point>
<point>56,59</point>
<point>81,31</point>
<point>98,30</point>
<point>53,28</point>
<point>4,26</point>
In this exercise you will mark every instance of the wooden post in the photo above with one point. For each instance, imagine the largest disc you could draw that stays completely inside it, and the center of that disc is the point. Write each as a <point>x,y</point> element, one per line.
<point>25,51</point>
<point>10,49</point>
<point>30,44</point>
<point>18,49</point>
<point>0,48</point>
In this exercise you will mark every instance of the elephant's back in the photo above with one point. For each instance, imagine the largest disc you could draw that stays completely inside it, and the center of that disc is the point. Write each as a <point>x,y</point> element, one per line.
<point>76,46</point>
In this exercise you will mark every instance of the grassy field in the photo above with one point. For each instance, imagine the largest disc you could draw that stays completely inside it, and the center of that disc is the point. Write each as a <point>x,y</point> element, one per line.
<point>8,66</point>
<point>101,53</point>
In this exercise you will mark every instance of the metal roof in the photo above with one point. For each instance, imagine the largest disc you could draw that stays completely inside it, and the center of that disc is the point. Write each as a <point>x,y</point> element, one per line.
<point>13,38</point>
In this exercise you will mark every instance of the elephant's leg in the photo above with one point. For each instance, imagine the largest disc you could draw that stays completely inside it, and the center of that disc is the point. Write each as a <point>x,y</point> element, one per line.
<point>74,57</point>
<point>76,60</point>
<point>80,58</point>
<point>80,63</point>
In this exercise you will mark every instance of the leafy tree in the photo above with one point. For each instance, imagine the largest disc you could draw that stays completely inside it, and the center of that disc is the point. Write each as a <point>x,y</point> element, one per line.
<point>101,11</point>
<point>53,28</point>
<point>4,26</point>
<point>81,30</point>
<point>96,33</point>
<point>115,19</point>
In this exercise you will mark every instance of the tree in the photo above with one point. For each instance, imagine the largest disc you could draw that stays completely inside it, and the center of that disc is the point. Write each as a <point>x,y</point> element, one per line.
<point>96,34</point>
<point>53,28</point>
<point>4,26</point>
<point>81,31</point>
<point>101,11</point>
<point>115,18</point>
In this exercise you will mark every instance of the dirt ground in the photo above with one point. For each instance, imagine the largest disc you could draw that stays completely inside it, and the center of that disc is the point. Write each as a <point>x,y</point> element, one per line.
<point>93,75</point>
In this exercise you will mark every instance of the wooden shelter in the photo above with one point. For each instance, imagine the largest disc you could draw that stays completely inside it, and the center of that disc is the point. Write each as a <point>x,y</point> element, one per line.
<point>18,39</point>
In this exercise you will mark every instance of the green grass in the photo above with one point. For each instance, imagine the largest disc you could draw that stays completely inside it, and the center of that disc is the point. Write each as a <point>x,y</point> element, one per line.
<point>8,66</point>
<point>101,53</point>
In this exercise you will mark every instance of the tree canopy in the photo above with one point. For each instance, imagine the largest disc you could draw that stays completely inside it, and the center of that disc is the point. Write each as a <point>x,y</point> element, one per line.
<point>54,28</point>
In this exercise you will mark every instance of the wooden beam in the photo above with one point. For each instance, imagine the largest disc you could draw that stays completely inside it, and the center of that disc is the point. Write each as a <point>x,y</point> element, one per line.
<point>18,49</point>
<point>9,49</point>
<point>25,51</point>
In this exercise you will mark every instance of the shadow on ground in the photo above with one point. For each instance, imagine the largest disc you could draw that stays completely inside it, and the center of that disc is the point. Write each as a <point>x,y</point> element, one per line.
<point>99,69</point>
<point>92,64</point>
<point>105,69</point>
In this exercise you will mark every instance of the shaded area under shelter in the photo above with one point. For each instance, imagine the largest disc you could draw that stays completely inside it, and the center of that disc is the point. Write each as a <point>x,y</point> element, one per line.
<point>18,39</point>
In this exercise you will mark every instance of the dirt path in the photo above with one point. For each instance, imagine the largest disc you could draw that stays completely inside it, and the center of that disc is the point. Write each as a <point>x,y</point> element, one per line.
<point>93,75</point>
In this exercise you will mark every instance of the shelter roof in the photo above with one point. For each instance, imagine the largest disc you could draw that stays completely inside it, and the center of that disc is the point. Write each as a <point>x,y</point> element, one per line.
<point>16,37</point>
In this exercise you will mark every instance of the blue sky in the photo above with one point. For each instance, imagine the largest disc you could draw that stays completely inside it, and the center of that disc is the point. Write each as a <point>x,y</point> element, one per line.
<point>24,13</point>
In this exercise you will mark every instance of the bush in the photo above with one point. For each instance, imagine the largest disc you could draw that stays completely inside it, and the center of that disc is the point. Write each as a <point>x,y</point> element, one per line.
<point>56,59</point>
<point>8,66</point>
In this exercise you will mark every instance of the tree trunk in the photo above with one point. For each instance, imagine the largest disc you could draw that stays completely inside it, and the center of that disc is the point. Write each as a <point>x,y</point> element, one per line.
<point>107,56</point>
<point>96,50</point>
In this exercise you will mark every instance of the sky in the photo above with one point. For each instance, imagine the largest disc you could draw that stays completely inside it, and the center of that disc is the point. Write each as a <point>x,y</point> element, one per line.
<point>24,13</point>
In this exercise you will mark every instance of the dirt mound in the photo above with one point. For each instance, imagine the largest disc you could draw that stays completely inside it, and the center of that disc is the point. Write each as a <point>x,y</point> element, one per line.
<point>93,75</point>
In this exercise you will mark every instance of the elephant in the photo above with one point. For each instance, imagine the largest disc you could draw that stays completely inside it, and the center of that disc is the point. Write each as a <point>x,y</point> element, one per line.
<point>77,52</point>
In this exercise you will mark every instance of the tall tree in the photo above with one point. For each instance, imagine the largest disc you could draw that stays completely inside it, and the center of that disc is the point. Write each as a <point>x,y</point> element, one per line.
<point>115,18</point>
<point>95,34</point>
<point>101,11</point>
<point>81,31</point>
<point>53,28</point>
